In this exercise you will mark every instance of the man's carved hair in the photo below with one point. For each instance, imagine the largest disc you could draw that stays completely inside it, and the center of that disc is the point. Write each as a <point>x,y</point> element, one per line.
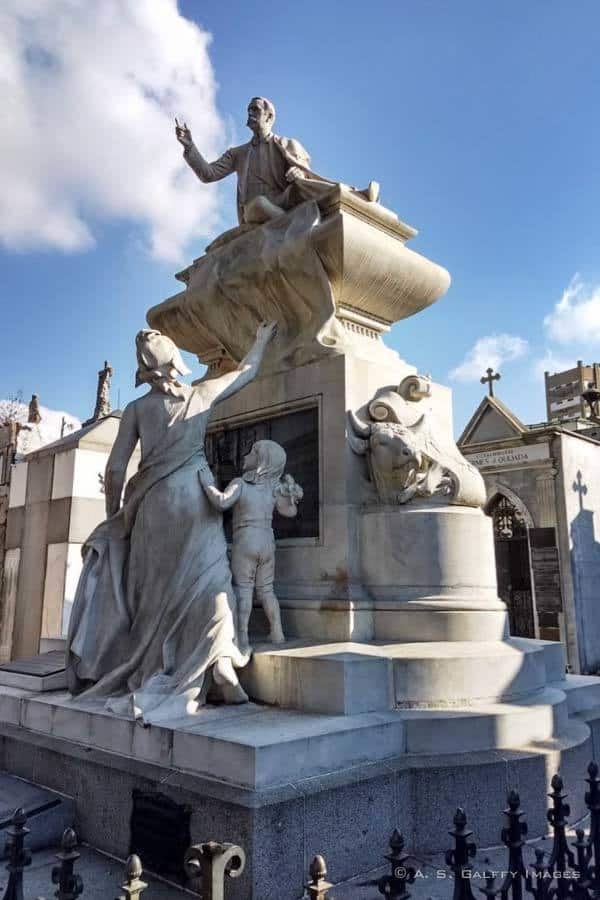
<point>266,105</point>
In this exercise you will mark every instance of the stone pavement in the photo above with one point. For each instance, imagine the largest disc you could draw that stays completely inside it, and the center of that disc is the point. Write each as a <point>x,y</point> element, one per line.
<point>102,878</point>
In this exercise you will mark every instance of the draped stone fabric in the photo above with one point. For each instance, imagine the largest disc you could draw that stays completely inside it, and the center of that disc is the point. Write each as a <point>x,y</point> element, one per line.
<point>272,272</point>
<point>154,607</point>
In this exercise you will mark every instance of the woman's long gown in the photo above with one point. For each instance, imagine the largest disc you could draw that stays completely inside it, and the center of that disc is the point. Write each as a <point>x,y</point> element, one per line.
<point>155,607</point>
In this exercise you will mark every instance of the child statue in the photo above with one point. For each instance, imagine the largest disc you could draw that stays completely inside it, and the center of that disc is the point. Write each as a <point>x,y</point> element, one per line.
<point>254,497</point>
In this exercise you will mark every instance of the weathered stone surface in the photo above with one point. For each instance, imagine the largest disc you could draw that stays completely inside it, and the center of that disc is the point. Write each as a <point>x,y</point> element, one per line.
<point>346,816</point>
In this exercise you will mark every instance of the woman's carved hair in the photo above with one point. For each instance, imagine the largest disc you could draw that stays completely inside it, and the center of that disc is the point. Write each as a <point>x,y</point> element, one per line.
<point>159,362</point>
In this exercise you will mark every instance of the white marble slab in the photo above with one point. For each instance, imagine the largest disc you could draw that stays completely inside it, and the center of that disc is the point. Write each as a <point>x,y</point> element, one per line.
<point>249,745</point>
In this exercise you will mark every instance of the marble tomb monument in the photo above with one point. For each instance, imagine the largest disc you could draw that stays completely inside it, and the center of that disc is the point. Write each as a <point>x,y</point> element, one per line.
<point>398,691</point>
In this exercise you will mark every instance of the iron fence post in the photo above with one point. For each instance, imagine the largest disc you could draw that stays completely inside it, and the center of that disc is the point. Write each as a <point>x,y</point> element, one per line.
<point>458,857</point>
<point>561,857</point>
<point>592,801</point>
<point>134,886</point>
<point>70,885</point>
<point>490,891</point>
<point>318,886</point>
<point>403,874</point>
<point>19,856</point>
<point>582,884</point>
<point>513,837</point>
<point>539,882</point>
<point>214,862</point>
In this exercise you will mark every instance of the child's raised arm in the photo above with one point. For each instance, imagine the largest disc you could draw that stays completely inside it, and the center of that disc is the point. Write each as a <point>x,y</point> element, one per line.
<point>221,500</point>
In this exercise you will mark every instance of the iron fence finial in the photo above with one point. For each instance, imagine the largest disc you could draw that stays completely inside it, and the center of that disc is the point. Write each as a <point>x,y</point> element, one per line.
<point>458,857</point>
<point>513,837</point>
<point>70,885</point>
<point>318,886</point>
<point>403,874</point>
<point>134,886</point>
<point>18,855</point>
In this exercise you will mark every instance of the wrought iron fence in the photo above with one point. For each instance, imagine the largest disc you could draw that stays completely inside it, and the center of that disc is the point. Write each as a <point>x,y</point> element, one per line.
<point>570,871</point>
<point>208,867</point>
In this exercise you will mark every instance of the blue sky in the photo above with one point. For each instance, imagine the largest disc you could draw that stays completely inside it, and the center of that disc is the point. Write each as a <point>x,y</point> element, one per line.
<point>479,120</point>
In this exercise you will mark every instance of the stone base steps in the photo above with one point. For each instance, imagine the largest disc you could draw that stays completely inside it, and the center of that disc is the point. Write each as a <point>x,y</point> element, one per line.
<point>347,705</point>
<point>350,678</point>
<point>583,692</point>
<point>538,717</point>
<point>250,745</point>
<point>259,746</point>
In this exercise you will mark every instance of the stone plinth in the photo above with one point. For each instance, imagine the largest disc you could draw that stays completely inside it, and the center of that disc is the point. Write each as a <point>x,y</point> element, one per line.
<point>286,784</point>
<point>430,571</point>
<point>329,275</point>
<point>350,677</point>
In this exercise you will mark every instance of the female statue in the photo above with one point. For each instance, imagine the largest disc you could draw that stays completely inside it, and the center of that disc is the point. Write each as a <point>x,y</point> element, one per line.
<point>154,612</point>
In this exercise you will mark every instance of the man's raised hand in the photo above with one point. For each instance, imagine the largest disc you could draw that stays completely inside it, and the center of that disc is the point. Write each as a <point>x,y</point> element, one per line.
<point>183,134</point>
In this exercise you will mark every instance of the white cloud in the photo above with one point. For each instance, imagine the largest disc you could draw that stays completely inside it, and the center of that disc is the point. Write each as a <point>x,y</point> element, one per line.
<point>493,350</point>
<point>88,92</point>
<point>45,432</point>
<point>576,316</point>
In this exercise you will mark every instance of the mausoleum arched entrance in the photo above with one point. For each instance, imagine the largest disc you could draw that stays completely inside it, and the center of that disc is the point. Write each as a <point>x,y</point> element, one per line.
<point>513,566</point>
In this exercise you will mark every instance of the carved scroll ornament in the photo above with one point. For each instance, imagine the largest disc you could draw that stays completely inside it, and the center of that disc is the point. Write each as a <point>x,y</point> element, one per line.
<point>409,461</point>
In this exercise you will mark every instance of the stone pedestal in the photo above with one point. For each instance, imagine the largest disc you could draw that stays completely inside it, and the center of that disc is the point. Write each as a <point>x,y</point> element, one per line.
<point>286,784</point>
<point>370,571</point>
<point>431,573</point>
<point>331,273</point>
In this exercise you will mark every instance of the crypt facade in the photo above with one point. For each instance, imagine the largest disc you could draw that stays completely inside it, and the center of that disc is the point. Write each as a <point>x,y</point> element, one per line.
<point>544,499</point>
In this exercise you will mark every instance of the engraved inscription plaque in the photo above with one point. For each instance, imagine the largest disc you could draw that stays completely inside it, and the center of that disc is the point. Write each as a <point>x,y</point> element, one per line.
<point>298,434</point>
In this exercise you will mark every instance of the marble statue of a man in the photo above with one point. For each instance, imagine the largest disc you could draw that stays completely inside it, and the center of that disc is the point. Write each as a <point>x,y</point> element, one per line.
<point>153,624</point>
<point>273,172</point>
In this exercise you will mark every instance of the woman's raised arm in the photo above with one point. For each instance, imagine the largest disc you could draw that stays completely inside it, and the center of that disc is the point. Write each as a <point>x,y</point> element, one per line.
<point>218,389</point>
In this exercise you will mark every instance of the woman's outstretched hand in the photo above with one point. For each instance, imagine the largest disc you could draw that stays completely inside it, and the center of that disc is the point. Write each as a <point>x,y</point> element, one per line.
<point>265,332</point>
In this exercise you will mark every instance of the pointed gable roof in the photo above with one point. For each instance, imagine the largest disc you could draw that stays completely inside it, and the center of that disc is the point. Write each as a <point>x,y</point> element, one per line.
<point>491,421</point>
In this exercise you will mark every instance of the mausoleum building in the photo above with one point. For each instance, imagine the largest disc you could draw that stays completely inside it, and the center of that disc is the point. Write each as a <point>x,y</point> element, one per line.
<point>56,499</point>
<point>544,499</point>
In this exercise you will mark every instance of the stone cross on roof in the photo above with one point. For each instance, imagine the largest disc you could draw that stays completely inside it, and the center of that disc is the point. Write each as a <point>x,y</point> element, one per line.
<point>489,379</point>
